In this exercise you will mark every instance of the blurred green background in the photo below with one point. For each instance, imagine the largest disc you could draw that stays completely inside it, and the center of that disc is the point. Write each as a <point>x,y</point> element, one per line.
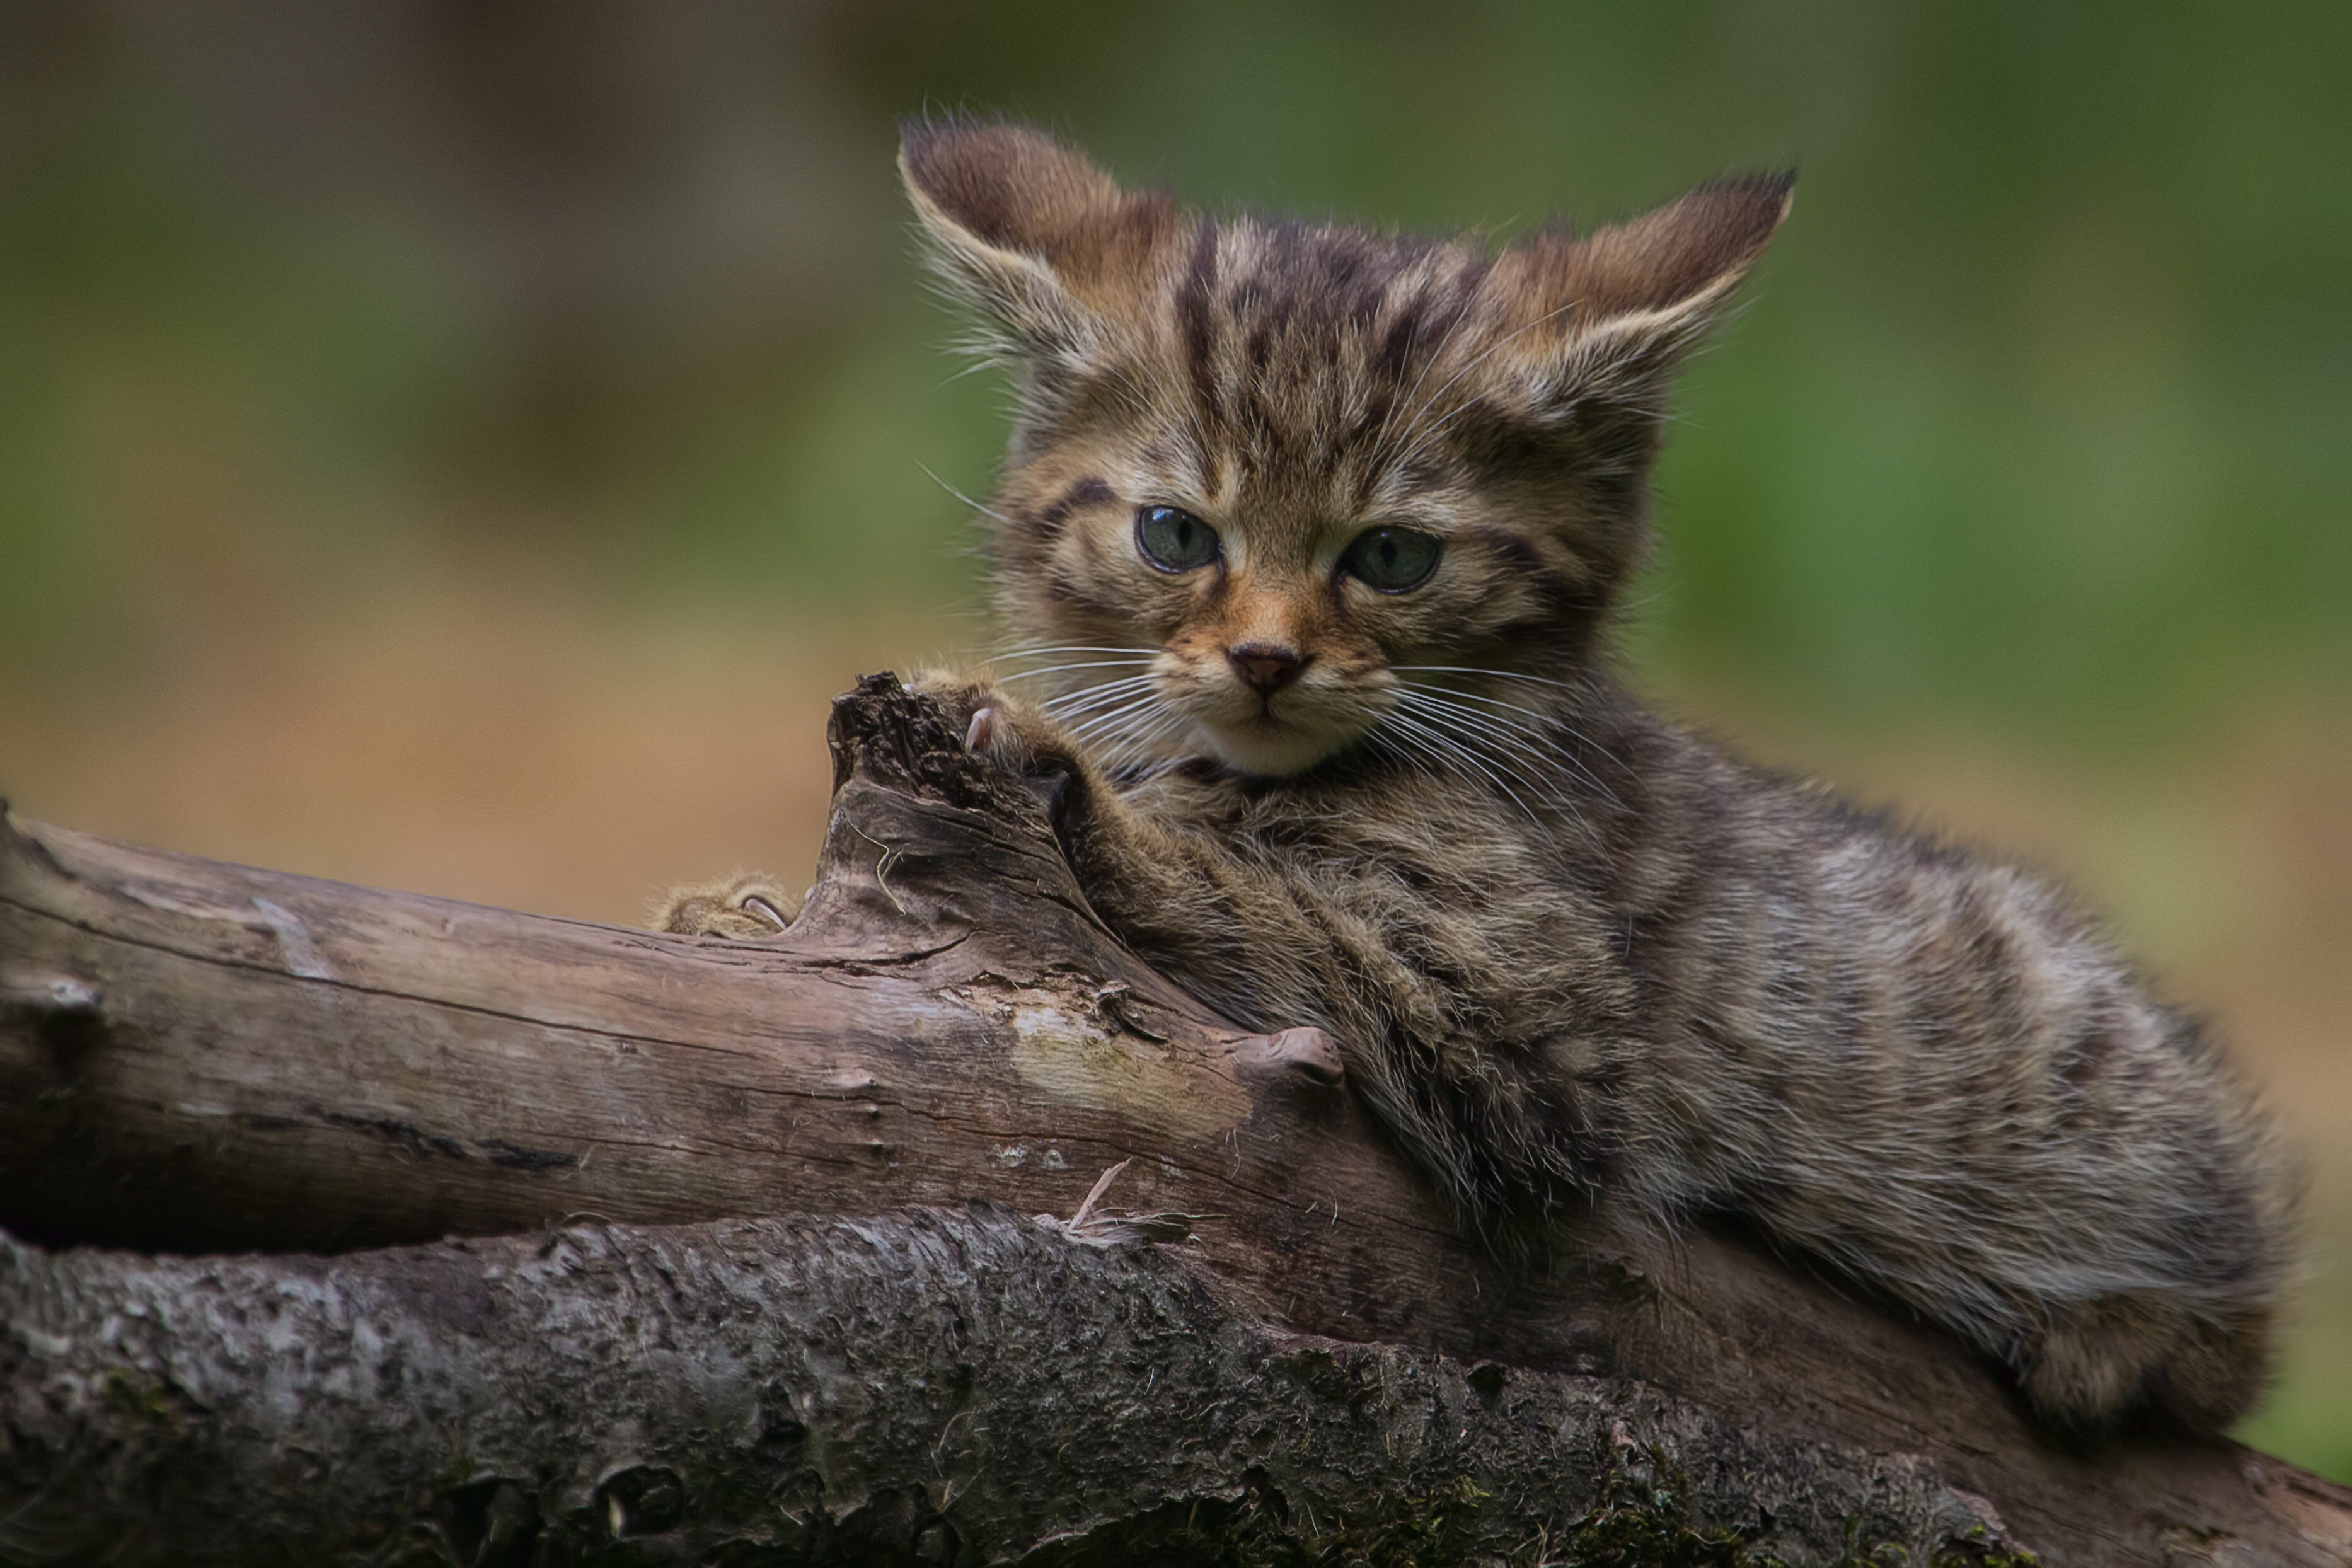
<point>2018,487</point>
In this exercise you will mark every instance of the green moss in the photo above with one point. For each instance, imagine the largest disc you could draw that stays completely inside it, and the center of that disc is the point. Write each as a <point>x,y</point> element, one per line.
<point>1262,1529</point>
<point>1660,1536</point>
<point>141,1403</point>
<point>1421,1530</point>
<point>1645,1527</point>
<point>1404,1530</point>
<point>1979,1550</point>
<point>1640,1520</point>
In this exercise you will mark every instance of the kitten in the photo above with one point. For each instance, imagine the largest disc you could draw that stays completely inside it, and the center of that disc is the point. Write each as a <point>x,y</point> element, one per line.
<point>1325,529</point>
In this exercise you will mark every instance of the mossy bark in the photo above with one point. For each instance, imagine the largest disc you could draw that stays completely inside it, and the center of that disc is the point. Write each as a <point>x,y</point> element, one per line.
<point>938,1386</point>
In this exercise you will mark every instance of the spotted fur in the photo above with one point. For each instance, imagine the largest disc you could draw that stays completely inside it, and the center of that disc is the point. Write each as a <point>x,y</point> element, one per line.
<point>1571,951</point>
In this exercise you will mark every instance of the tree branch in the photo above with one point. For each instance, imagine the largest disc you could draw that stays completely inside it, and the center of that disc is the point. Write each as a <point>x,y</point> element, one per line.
<point>196,1057</point>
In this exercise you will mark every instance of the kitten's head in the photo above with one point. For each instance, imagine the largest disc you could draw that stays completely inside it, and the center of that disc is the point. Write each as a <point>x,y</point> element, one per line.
<point>1292,463</point>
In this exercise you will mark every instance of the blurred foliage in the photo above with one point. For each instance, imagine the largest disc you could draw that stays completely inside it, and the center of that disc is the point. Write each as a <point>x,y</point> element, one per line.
<point>2038,409</point>
<point>2308,1417</point>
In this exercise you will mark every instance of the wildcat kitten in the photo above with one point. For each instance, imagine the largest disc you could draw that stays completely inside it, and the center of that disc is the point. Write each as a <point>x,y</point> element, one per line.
<point>1326,528</point>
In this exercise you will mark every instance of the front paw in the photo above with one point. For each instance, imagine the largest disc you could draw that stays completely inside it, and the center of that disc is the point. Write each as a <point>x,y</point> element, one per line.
<point>999,727</point>
<point>744,907</point>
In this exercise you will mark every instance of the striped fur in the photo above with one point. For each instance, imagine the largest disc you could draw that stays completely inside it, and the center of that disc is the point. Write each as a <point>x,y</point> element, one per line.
<point>1571,953</point>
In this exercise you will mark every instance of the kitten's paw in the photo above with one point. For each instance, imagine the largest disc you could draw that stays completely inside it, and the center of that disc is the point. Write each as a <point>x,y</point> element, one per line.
<point>2097,1360</point>
<point>1018,737</point>
<point>744,907</point>
<point>998,726</point>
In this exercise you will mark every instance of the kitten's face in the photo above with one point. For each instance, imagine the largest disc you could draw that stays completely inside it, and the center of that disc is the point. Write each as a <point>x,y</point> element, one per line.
<point>1300,470</point>
<point>1283,501</point>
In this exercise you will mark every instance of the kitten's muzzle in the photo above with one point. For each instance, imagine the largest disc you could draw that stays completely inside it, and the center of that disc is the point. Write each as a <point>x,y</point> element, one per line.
<point>1267,667</point>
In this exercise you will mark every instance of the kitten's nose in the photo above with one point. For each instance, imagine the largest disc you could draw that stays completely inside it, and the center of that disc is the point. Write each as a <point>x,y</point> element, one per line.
<point>1266,666</point>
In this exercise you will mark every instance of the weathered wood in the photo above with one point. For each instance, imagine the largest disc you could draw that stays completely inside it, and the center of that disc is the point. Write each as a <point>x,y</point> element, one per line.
<point>207,1056</point>
<point>196,1057</point>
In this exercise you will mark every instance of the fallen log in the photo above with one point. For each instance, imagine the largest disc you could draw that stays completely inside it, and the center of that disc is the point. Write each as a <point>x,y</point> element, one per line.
<point>197,1058</point>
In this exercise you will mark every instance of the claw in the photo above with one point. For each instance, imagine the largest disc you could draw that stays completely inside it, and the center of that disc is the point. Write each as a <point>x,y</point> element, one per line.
<point>982,728</point>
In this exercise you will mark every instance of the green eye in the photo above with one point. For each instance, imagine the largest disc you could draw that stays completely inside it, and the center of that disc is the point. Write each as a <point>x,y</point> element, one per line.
<point>1391,558</point>
<point>1173,540</point>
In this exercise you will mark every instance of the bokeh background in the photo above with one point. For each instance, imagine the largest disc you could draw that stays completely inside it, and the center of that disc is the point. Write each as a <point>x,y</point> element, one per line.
<point>461,444</point>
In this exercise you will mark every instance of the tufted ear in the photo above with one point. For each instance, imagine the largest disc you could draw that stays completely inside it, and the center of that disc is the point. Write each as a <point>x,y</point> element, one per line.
<point>1606,316</point>
<point>1029,230</point>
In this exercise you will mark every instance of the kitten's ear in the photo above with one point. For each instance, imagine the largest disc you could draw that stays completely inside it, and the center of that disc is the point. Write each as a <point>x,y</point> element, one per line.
<point>1032,232</point>
<point>1609,315</point>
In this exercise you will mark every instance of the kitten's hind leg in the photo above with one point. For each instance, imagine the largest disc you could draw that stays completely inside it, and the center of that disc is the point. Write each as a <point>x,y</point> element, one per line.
<point>744,907</point>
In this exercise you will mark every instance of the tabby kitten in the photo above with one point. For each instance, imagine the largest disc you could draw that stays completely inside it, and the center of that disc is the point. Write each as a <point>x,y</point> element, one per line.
<point>1324,528</point>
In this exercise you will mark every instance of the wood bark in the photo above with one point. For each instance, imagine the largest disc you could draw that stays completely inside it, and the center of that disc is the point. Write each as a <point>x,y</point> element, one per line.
<point>750,1277</point>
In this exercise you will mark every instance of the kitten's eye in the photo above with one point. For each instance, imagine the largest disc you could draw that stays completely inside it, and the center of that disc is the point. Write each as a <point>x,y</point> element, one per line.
<point>1391,558</point>
<point>1173,540</point>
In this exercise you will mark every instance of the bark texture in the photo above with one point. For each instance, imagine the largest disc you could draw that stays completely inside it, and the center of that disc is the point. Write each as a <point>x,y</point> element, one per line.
<point>940,1386</point>
<point>197,1058</point>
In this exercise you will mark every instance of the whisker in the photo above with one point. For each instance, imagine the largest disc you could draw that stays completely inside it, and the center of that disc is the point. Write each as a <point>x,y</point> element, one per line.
<point>1118,745</point>
<point>1065,669</point>
<point>1130,749</point>
<point>1086,699</point>
<point>1540,733</point>
<point>1486,725</point>
<point>1551,720</point>
<point>1033,650</point>
<point>1393,746</point>
<point>982,360</point>
<point>1445,746</point>
<point>1502,761</point>
<point>985,511</point>
<point>1413,752</point>
<point>1103,682</point>
<point>1450,753</point>
<point>1581,737</point>
<point>1101,721</point>
<point>1474,669</point>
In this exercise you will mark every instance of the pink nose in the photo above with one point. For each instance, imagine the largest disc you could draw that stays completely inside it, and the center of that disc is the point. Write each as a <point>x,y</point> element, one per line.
<point>1267,667</point>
